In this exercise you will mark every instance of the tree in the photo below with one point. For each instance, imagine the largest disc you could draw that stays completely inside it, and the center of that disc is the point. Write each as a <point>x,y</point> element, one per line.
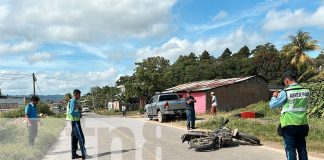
<point>267,62</point>
<point>122,80</point>
<point>264,49</point>
<point>67,97</point>
<point>150,75</point>
<point>300,44</point>
<point>244,52</point>
<point>226,54</point>
<point>205,56</point>
<point>319,61</point>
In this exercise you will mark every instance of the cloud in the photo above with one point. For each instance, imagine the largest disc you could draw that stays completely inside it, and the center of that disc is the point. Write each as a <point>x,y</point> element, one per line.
<point>221,15</point>
<point>224,19</point>
<point>287,19</point>
<point>23,46</point>
<point>176,47</point>
<point>49,83</point>
<point>83,20</point>
<point>39,57</point>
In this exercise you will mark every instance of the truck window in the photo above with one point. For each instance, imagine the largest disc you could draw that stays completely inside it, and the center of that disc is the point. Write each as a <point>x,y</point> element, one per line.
<point>155,99</point>
<point>151,101</point>
<point>168,97</point>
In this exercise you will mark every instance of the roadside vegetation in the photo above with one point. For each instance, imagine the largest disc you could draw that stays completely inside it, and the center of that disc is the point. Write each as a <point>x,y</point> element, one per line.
<point>266,128</point>
<point>14,138</point>
<point>14,133</point>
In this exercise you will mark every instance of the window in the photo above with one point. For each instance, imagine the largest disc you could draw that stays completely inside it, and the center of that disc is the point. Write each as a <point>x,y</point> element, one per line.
<point>168,97</point>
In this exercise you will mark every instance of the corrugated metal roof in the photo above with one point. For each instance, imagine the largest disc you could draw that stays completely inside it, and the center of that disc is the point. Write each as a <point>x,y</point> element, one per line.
<point>206,85</point>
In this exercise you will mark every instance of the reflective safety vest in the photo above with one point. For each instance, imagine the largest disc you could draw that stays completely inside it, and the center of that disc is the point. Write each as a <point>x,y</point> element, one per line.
<point>294,110</point>
<point>69,117</point>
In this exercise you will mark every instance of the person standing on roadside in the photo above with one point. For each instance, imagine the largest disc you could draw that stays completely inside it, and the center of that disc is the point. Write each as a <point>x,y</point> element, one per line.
<point>74,115</point>
<point>124,110</point>
<point>190,110</point>
<point>32,119</point>
<point>213,105</point>
<point>293,120</point>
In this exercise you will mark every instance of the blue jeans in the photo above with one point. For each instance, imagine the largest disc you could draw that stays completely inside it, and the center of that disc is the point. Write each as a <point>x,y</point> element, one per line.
<point>191,118</point>
<point>77,136</point>
<point>294,138</point>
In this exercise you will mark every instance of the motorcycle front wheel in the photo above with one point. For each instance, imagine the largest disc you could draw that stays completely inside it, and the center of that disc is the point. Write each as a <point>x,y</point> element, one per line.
<point>247,138</point>
<point>205,143</point>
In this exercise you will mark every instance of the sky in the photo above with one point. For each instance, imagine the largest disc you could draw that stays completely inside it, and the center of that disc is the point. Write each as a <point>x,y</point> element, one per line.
<point>86,43</point>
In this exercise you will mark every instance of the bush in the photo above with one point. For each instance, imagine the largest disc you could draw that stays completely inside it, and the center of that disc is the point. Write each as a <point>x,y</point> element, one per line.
<point>141,110</point>
<point>44,109</point>
<point>20,112</point>
<point>316,101</point>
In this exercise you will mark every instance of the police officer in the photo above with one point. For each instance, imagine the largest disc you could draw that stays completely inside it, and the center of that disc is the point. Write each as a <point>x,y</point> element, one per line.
<point>32,119</point>
<point>73,115</point>
<point>293,120</point>
<point>190,111</point>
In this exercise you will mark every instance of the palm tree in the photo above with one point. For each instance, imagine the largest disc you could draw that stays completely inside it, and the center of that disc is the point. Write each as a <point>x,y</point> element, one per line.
<point>300,45</point>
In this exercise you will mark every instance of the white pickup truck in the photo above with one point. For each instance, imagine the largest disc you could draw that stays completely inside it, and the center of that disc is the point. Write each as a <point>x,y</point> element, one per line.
<point>165,105</point>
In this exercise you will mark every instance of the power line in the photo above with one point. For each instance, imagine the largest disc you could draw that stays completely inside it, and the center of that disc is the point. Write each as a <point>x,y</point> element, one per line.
<point>38,88</point>
<point>58,87</point>
<point>11,69</point>
<point>13,74</point>
<point>13,78</point>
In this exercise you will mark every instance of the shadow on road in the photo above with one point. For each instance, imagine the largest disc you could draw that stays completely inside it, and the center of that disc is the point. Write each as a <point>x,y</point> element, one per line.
<point>112,152</point>
<point>233,144</point>
<point>63,152</point>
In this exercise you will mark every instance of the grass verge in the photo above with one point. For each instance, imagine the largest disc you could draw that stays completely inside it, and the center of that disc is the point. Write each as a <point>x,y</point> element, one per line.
<point>266,128</point>
<point>14,138</point>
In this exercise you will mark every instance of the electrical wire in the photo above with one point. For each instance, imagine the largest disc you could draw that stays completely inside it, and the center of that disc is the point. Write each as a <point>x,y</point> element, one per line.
<point>38,88</point>
<point>13,78</point>
<point>54,85</point>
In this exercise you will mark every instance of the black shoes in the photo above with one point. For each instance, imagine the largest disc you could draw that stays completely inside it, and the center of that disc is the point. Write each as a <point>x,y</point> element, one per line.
<point>77,157</point>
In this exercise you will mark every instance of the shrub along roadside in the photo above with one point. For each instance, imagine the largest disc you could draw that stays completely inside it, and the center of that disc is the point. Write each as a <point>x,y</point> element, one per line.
<point>316,106</point>
<point>42,108</point>
<point>265,128</point>
<point>14,138</point>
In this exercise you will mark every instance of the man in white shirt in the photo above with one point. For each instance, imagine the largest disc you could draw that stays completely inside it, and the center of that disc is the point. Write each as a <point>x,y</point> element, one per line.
<point>214,105</point>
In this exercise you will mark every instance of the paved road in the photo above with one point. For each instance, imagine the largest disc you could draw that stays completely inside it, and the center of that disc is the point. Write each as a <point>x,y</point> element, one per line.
<point>136,139</point>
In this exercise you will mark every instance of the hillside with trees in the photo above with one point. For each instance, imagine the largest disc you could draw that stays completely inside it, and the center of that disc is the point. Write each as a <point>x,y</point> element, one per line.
<point>155,74</point>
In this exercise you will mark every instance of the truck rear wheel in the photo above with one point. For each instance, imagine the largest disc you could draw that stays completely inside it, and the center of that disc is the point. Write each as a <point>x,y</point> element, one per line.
<point>161,117</point>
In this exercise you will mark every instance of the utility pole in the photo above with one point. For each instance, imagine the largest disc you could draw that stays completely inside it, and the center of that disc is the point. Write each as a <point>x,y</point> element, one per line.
<point>34,80</point>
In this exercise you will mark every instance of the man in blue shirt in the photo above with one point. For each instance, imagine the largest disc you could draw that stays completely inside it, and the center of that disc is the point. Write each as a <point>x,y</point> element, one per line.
<point>74,115</point>
<point>293,120</point>
<point>32,119</point>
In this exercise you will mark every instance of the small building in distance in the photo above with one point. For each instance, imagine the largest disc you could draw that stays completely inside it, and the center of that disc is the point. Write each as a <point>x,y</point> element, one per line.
<point>231,93</point>
<point>11,102</point>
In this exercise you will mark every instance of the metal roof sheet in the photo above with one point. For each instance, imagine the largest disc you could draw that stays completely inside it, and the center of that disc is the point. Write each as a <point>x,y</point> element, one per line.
<point>207,84</point>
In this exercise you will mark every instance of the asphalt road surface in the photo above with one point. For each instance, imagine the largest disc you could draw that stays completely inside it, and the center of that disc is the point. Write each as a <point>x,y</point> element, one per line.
<point>137,139</point>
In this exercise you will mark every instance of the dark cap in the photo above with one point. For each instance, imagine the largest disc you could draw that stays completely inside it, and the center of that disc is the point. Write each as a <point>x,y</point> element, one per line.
<point>289,73</point>
<point>189,91</point>
<point>76,91</point>
<point>35,98</point>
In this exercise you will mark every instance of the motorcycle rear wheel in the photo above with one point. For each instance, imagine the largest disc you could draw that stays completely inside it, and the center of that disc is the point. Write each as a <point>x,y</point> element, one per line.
<point>247,138</point>
<point>205,143</point>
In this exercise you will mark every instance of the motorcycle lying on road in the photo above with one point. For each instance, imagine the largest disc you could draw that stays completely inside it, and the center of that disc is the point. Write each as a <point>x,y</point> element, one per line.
<point>219,138</point>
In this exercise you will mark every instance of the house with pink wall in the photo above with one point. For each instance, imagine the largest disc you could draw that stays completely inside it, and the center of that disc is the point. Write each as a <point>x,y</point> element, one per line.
<point>231,93</point>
